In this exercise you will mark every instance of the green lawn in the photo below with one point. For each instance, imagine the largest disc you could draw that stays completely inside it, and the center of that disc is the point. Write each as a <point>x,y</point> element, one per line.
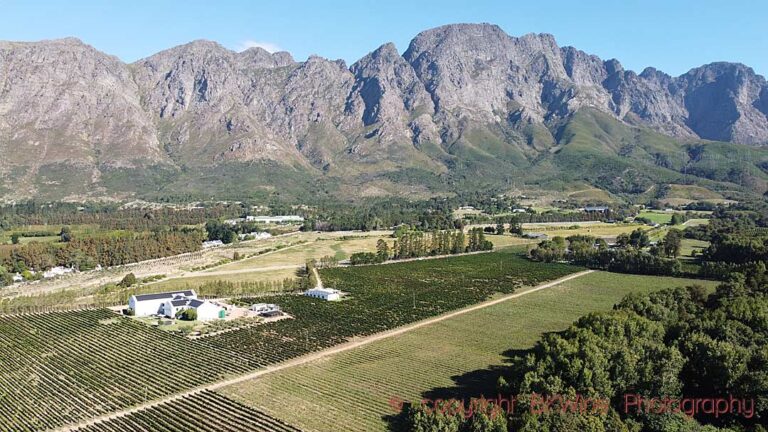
<point>657,217</point>
<point>350,391</point>
<point>690,245</point>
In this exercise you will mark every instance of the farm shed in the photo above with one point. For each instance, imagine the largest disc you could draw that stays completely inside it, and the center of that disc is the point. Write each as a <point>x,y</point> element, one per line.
<point>323,293</point>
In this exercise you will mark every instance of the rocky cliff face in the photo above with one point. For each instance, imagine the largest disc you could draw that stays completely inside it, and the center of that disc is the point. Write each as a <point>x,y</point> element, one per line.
<point>63,102</point>
<point>200,104</point>
<point>479,71</point>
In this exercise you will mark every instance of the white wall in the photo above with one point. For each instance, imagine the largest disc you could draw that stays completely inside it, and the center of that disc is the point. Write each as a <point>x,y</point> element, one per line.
<point>146,307</point>
<point>208,312</point>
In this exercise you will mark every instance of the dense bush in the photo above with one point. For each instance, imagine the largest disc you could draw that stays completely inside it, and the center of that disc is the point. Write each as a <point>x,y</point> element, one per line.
<point>108,251</point>
<point>594,253</point>
<point>677,343</point>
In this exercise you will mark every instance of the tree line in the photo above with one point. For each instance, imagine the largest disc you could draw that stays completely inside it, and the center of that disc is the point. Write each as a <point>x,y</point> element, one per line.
<point>107,251</point>
<point>628,256</point>
<point>110,216</point>
<point>414,244</point>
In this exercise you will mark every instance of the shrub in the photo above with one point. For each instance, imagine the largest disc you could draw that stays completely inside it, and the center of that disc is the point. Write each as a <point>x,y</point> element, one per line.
<point>187,314</point>
<point>128,280</point>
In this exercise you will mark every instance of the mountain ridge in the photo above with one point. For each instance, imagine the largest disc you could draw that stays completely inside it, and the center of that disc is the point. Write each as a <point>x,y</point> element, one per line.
<point>458,95</point>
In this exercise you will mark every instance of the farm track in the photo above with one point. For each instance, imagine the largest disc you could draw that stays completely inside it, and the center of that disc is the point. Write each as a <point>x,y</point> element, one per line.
<point>232,272</point>
<point>319,355</point>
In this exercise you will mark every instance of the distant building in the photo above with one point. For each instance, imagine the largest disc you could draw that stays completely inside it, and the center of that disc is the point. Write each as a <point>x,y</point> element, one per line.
<point>212,243</point>
<point>466,208</point>
<point>519,210</point>
<point>596,209</point>
<point>57,271</point>
<point>255,235</point>
<point>266,219</point>
<point>274,219</point>
<point>323,293</point>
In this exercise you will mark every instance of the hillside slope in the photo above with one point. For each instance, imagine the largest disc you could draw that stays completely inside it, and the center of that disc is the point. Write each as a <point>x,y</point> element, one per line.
<point>465,106</point>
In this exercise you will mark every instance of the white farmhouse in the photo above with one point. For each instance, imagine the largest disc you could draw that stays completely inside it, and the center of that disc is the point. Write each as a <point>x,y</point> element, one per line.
<point>152,304</point>
<point>323,293</point>
<point>212,243</point>
<point>206,311</point>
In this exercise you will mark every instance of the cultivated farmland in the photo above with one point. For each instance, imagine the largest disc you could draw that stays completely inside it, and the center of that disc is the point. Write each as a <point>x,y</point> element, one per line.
<point>201,412</point>
<point>382,298</point>
<point>59,368</point>
<point>352,391</point>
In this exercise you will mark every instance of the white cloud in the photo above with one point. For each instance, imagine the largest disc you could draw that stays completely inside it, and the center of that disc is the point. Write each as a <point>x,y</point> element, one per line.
<point>268,46</point>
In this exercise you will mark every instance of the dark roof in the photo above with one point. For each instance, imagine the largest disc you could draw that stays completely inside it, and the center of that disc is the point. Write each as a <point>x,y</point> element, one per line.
<point>187,302</point>
<point>271,313</point>
<point>165,295</point>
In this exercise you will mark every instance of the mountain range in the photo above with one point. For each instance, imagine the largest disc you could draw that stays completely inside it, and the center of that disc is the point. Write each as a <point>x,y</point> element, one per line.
<point>465,106</point>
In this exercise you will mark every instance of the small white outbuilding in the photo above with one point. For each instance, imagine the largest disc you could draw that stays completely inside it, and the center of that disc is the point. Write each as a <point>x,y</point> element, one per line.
<point>323,293</point>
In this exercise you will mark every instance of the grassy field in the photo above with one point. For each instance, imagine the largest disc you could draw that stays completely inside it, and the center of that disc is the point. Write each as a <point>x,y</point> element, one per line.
<point>696,222</point>
<point>598,229</point>
<point>193,282</point>
<point>504,241</point>
<point>350,391</point>
<point>320,245</point>
<point>689,245</point>
<point>659,217</point>
<point>78,231</point>
<point>280,265</point>
<point>384,297</point>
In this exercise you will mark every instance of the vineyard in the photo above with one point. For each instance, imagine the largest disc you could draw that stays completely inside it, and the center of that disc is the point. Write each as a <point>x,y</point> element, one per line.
<point>200,412</point>
<point>382,298</point>
<point>59,368</point>
<point>352,391</point>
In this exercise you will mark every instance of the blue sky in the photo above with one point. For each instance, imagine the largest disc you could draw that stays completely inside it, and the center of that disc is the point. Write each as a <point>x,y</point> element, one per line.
<point>672,35</point>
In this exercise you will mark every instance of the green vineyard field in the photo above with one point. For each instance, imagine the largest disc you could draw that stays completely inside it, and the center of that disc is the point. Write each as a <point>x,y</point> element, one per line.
<point>353,391</point>
<point>385,297</point>
<point>60,368</point>
<point>201,412</point>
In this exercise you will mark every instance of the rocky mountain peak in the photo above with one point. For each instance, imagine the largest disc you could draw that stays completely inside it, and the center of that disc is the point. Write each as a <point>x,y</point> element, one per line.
<point>201,104</point>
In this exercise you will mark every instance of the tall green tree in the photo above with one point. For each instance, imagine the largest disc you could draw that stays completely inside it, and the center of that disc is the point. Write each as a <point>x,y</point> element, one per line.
<point>673,243</point>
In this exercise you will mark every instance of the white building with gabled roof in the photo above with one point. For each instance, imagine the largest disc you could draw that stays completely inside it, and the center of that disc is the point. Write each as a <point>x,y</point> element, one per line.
<point>170,303</point>
<point>152,304</point>
<point>206,311</point>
